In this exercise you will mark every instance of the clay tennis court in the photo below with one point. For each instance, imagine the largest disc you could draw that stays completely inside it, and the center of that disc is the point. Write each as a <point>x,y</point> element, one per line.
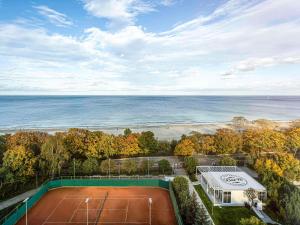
<point>106,206</point>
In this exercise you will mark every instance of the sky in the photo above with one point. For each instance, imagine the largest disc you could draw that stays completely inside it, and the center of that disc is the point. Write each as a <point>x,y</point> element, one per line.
<point>150,47</point>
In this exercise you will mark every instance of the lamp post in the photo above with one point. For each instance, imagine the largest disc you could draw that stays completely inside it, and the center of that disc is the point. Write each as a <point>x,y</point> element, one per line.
<point>87,210</point>
<point>150,203</point>
<point>25,201</point>
<point>109,168</point>
<point>148,166</point>
<point>74,168</point>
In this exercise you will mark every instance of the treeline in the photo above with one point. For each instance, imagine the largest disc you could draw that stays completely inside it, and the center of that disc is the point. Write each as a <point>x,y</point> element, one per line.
<point>283,197</point>
<point>25,154</point>
<point>191,212</point>
<point>228,141</point>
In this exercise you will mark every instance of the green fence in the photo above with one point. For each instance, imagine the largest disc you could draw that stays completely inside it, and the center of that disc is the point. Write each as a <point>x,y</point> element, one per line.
<point>19,212</point>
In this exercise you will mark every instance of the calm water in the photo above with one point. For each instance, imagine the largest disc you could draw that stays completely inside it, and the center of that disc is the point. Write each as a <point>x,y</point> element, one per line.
<point>131,111</point>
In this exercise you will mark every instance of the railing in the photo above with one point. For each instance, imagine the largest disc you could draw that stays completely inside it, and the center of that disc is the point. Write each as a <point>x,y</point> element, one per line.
<point>19,211</point>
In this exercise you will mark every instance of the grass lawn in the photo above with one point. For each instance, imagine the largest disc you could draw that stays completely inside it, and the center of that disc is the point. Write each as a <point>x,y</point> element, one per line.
<point>230,215</point>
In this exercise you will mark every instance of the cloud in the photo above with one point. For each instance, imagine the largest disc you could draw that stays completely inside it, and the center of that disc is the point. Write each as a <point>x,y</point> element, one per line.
<point>188,58</point>
<point>168,2</point>
<point>256,63</point>
<point>55,17</point>
<point>117,10</point>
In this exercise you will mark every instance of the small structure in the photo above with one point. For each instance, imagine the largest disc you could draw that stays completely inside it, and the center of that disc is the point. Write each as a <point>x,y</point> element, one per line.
<point>228,185</point>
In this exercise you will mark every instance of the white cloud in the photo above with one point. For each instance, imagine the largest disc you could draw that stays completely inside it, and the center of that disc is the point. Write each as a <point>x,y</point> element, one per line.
<point>117,10</point>
<point>55,17</point>
<point>189,58</point>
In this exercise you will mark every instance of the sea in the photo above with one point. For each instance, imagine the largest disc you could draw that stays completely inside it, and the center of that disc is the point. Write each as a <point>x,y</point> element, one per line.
<point>62,112</point>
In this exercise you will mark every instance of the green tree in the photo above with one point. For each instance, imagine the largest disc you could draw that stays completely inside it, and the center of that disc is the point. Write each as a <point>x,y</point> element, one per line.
<point>164,147</point>
<point>2,146</point>
<point>227,161</point>
<point>145,164</point>
<point>53,155</point>
<point>164,166</point>
<point>251,221</point>
<point>107,165</point>
<point>227,141</point>
<point>130,166</point>
<point>127,132</point>
<point>20,162</point>
<point>147,142</point>
<point>190,164</point>
<point>90,166</point>
<point>292,207</point>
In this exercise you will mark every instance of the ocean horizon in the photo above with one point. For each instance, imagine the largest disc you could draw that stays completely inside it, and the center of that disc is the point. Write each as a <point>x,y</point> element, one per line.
<point>66,111</point>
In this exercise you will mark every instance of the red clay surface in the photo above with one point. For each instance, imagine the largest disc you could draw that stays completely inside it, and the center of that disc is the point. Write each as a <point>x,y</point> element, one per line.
<point>123,206</point>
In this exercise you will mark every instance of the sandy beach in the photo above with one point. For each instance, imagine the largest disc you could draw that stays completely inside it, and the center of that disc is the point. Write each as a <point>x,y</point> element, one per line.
<point>162,132</point>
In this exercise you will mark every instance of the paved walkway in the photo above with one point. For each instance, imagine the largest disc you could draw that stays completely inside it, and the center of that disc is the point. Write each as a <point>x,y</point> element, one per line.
<point>16,199</point>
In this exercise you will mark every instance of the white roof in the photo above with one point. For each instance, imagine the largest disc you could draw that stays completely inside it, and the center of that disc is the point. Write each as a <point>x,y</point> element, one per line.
<point>232,180</point>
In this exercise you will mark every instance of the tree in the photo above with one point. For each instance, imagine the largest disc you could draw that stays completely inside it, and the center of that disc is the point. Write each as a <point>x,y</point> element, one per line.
<point>180,184</point>
<point>164,166</point>
<point>90,166</point>
<point>100,145</point>
<point>251,195</point>
<point>127,132</point>
<point>292,207</point>
<point>192,215</point>
<point>264,166</point>
<point>227,141</point>
<point>190,164</point>
<point>288,164</point>
<point>30,140</point>
<point>184,148</point>
<point>76,142</point>
<point>251,221</point>
<point>265,124</point>
<point>257,141</point>
<point>2,146</point>
<point>108,165</point>
<point>53,155</point>
<point>293,140</point>
<point>239,123</point>
<point>19,161</point>
<point>227,161</point>
<point>203,143</point>
<point>147,142</point>
<point>127,145</point>
<point>130,166</point>
<point>145,164</point>
<point>164,147</point>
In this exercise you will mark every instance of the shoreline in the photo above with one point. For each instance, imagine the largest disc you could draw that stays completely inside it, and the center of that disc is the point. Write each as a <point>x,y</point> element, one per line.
<point>162,132</point>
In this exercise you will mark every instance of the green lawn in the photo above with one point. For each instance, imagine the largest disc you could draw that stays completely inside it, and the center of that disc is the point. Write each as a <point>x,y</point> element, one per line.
<point>230,215</point>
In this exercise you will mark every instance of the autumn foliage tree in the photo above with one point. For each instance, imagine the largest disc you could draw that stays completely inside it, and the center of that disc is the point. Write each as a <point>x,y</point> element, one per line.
<point>227,141</point>
<point>184,148</point>
<point>257,141</point>
<point>20,161</point>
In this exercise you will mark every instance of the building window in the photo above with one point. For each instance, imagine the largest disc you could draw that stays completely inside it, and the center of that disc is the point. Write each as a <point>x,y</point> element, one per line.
<point>227,197</point>
<point>262,196</point>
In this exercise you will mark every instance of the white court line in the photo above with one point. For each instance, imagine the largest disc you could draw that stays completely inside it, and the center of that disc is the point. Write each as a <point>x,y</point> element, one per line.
<point>73,214</point>
<point>53,211</point>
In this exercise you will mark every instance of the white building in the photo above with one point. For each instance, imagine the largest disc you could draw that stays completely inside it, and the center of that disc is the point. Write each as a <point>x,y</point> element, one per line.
<point>226,185</point>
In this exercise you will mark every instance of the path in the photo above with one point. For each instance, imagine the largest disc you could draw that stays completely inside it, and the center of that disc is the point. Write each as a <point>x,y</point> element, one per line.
<point>16,199</point>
